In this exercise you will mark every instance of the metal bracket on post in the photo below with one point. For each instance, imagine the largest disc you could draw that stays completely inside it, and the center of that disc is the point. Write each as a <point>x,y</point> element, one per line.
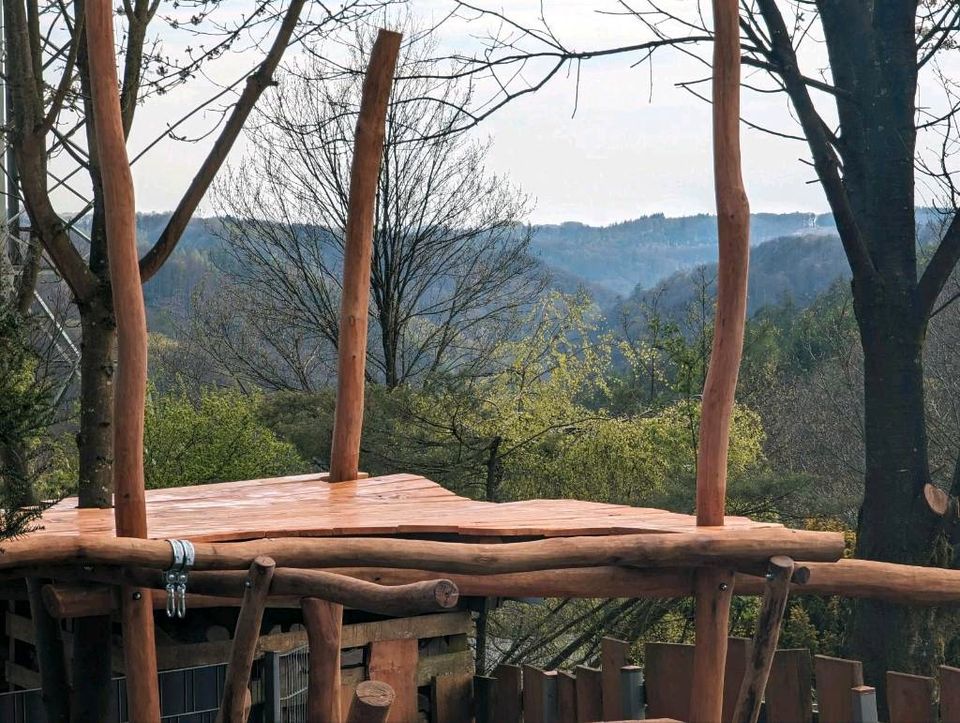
<point>184,556</point>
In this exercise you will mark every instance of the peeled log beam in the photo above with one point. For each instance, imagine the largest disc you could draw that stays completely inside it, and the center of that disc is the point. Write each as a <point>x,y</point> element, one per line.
<point>848,578</point>
<point>764,641</point>
<point>713,590</point>
<point>705,547</point>
<point>733,231</point>
<point>424,596</point>
<point>324,623</point>
<point>130,379</point>
<point>357,251</point>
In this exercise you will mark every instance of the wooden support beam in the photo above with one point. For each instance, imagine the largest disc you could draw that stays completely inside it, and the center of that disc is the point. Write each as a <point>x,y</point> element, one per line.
<point>130,379</point>
<point>724,547</point>
<point>713,590</point>
<point>324,623</point>
<point>849,578</point>
<point>765,640</point>
<point>358,245</point>
<point>714,587</point>
<point>399,600</point>
<point>235,705</point>
<point>371,702</point>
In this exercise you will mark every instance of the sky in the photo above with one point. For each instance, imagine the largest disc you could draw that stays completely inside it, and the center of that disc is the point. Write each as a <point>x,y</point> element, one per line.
<point>630,149</point>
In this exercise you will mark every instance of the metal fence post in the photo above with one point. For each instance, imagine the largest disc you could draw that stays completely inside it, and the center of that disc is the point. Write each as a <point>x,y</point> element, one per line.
<point>272,712</point>
<point>864,704</point>
<point>631,692</point>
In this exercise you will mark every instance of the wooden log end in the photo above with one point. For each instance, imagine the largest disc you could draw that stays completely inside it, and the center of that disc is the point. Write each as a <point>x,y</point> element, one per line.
<point>446,594</point>
<point>937,500</point>
<point>781,564</point>
<point>262,563</point>
<point>371,702</point>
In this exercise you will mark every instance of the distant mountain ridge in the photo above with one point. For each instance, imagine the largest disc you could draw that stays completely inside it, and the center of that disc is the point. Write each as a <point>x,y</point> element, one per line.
<point>646,250</point>
<point>610,262</point>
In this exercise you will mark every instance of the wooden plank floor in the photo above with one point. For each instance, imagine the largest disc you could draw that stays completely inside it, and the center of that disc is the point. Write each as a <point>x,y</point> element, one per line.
<point>393,504</point>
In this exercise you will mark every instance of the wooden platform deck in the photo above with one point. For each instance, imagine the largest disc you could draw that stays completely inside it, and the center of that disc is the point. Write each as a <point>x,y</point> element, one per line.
<point>307,505</point>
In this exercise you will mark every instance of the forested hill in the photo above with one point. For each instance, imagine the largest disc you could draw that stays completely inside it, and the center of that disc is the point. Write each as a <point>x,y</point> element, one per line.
<point>642,252</point>
<point>608,261</point>
<point>794,269</point>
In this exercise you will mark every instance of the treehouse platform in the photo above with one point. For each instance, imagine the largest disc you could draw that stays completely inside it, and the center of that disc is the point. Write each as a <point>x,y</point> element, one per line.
<point>391,505</point>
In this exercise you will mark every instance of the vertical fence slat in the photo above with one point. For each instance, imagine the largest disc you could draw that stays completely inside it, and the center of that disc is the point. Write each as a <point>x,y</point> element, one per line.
<point>566,698</point>
<point>836,677</point>
<point>589,692</point>
<point>539,695</point>
<point>452,694</point>
<point>506,701</point>
<point>669,676</point>
<point>735,669</point>
<point>484,698</point>
<point>613,656</point>
<point>949,694</point>
<point>789,688</point>
<point>863,701</point>
<point>910,698</point>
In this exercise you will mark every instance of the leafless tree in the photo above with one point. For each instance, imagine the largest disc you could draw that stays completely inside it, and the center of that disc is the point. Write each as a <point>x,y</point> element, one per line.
<point>450,257</point>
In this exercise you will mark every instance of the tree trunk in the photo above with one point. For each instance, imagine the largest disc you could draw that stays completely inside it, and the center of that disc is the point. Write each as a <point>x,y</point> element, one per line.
<point>895,523</point>
<point>95,439</point>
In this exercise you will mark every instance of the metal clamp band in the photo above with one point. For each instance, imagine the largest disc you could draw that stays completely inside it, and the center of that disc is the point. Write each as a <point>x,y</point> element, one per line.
<point>184,556</point>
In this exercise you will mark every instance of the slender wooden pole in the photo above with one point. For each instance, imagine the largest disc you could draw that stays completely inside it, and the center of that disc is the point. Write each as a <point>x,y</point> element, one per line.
<point>324,623</point>
<point>358,245</point>
<point>765,640</point>
<point>713,587</point>
<point>131,376</point>
<point>371,702</point>
<point>235,705</point>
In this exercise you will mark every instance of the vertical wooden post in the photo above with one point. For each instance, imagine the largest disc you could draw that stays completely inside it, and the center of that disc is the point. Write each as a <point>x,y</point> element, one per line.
<point>324,623</point>
<point>131,376</point>
<point>765,640</point>
<point>235,705</point>
<point>354,304</point>
<point>713,587</point>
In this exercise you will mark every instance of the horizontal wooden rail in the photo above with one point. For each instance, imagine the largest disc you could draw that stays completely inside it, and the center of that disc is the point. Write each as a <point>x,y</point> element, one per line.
<point>706,547</point>
<point>416,597</point>
<point>851,578</point>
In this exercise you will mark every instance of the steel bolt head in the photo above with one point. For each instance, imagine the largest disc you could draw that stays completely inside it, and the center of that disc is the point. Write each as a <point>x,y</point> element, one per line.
<point>723,587</point>
<point>137,595</point>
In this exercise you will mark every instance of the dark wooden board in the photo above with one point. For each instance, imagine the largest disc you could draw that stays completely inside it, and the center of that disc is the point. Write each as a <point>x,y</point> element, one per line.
<point>789,688</point>
<point>835,678</point>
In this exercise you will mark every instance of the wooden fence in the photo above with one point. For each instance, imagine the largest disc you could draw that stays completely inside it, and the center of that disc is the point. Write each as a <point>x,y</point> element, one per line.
<point>800,687</point>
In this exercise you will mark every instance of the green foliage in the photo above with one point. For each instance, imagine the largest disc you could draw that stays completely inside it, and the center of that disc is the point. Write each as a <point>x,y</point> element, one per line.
<point>217,437</point>
<point>26,410</point>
